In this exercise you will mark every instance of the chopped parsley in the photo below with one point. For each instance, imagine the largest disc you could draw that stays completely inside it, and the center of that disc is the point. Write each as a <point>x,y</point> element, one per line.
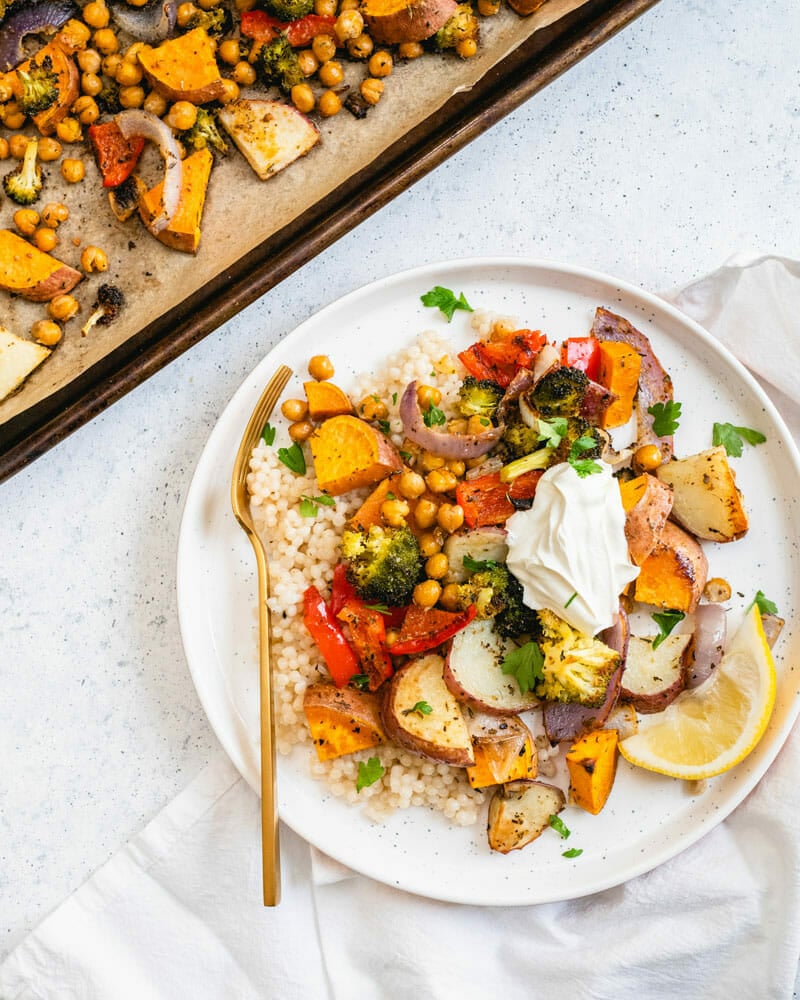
<point>765,605</point>
<point>574,595</point>
<point>293,458</point>
<point>406,456</point>
<point>526,664</point>
<point>382,608</point>
<point>445,301</point>
<point>268,434</point>
<point>552,432</point>
<point>475,565</point>
<point>394,399</point>
<point>421,708</point>
<point>369,772</point>
<point>559,826</point>
<point>384,426</point>
<point>732,438</point>
<point>573,852</point>
<point>666,417</point>
<point>434,417</point>
<point>583,466</point>
<point>360,681</point>
<point>666,621</point>
<point>309,506</point>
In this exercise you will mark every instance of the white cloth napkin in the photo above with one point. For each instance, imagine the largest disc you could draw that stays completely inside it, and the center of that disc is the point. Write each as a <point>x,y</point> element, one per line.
<point>176,913</point>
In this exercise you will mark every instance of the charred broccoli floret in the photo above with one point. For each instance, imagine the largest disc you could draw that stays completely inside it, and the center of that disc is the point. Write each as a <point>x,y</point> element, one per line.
<point>108,98</point>
<point>39,87</point>
<point>204,133</point>
<point>216,21</point>
<point>479,397</point>
<point>278,64</point>
<point>461,27</point>
<point>110,302</point>
<point>519,440</point>
<point>496,593</point>
<point>289,10</point>
<point>24,183</point>
<point>383,564</point>
<point>577,667</point>
<point>576,428</point>
<point>560,392</point>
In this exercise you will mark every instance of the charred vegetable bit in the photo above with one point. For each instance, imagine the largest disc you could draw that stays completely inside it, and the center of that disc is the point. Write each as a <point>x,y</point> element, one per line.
<point>383,564</point>
<point>109,304</point>
<point>461,27</point>
<point>576,668</point>
<point>278,63</point>
<point>108,98</point>
<point>496,593</point>
<point>217,21</point>
<point>39,87</point>
<point>289,10</point>
<point>560,393</point>
<point>204,134</point>
<point>24,183</point>
<point>479,397</point>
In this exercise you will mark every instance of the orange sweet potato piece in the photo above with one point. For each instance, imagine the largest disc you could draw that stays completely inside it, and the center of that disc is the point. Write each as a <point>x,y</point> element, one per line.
<point>31,273</point>
<point>342,720</point>
<point>326,400</point>
<point>620,366</point>
<point>647,505</point>
<point>392,22</point>
<point>349,453</point>
<point>183,232</point>
<point>184,68</point>
<point>675,572</point>
<point>592,766</point>
<point>504,751</point>
<point>62,64</point>
<point>369,513</point>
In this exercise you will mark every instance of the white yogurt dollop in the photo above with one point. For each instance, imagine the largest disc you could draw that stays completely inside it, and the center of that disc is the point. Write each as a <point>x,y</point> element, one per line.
<point>569,550</point>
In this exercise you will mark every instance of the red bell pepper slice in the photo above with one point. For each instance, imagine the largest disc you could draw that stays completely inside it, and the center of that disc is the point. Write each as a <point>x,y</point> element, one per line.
<point>367,631</point>
<point>499,360</point>
<point>484,500</point>
<point>342,590</point>
<point>262,27</point>
<point>480,367</point>
<point>427,628</point>
<point>339,657</point>
<point>582,353</point>
<point>116,156</point>
<point>524,486</point>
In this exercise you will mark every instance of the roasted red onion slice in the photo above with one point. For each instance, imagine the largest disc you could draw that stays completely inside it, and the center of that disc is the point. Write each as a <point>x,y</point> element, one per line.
<point>707,645</point>
<point>151,23</point>
<point>31,19</point>
<point>148,126</point>
<point>457,446</point>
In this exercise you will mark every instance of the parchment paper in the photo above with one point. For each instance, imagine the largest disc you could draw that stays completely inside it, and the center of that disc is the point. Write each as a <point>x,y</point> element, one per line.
<point>240,212</point>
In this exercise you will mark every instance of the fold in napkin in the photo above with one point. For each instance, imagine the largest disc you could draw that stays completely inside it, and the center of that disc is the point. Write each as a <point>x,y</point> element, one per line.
<point>176,913</point>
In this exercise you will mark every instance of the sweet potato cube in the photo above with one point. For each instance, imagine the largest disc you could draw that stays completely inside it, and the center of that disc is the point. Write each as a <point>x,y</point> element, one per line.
<point>499,760</point>
<point>620,366</point>
<point>675,572</point>
<point>32,273</point>
<point>592,766</point>
<point>184,68</point>
<point>326,400</point>
<point>183,232</point>
<point>342,720</point>
<point>348,453</point>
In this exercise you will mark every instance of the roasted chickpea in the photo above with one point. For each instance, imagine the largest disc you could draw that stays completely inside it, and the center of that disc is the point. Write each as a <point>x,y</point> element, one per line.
<point>431,542</point>
<point>427,593</point>
<point>49,149</point>
<point>228,51</point>
<point>331,73</point>
<point>105,41</point>
<point>473,463</point>
<point>95,14</point>
<point>428,461</point>
<point>441,481</point>
<point>208,4</point>
<point>45,239</point>
<point>91,84</point>
<point>325,8</point>
<point>380,63</point>
<point>330,104</point>
<point>74,35</point>
<point>303,97</point>
<point>26,220</point>
<point>86,110</point>
<point>648,457</point>
<point>373,408</point>
<point>450,599</point>
<point>89,61</point>
<point>94,259</point>
<point>230,91</point>
<point>133,97</point>
<point>392,635</point>
<point>411,485</point>
<point>410,50</point>
<point>132,51</point>
<point>349,24</point>
<point>129,74</point>
<point>425,513</point>
<point>371,90</point>
<point>308,62</point>
<point>320,367</point>
<point>69,130</point>
<point>301,430</point>
<point>137,3</point>
<point>717,590</point>
<point>394,512</point>
<point>46,332</point>
<point>323,47</point>
<point>244,74</point>
<point>4,150</point>
<point>13,116</point>
<point>242,5</point>
<point>155,104</point>
<point>54,213</point>
<point>437,566</point>
<point>457,426</point>
<point>428,396</point>
<point>182,115</point>
<point>63,307</point>
<point>467,48</point>
<point>450,517</point>
<point>488,8</point>
<point>17,145</point>
<point>360,47</point>
<point>295,409</point>
<point>349,5</point>
<point>111,64</point>
<point>457,467</point>
<point>6,91</point>
<point>478,424</point>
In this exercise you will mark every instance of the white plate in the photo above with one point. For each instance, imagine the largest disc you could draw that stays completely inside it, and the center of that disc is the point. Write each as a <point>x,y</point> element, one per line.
<point>648,818</point>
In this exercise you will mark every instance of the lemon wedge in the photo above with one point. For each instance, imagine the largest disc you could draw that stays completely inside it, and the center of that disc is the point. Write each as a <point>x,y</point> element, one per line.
<point>711,728</point>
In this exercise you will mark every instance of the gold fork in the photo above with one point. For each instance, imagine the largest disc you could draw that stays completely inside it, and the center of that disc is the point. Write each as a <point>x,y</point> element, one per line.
<point>270,844</point>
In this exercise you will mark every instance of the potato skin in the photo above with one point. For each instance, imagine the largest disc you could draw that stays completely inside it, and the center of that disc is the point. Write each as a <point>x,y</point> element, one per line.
<point>391,23</point>
<point>342,720</point>
<point>654,678</point>
<point>520,812</point>
<point>645,520</point>
<point>675,572</point>
<point>706,500</point>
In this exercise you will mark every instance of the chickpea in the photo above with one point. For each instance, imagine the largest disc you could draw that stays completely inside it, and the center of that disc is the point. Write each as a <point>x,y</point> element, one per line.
<point>303,97</point>
<point>360,47</point>
<point>437,566</point>
<point>137,3</point>
<point>208,4</point>
<point>325,8</point>
<point>348,5</point>
<point>69,130</point>
<point>427,593</point>
<point>457,467</point>
<point>301,430</point>
<point>308,62</point>
<point>349,24</point>
<point>89,61</point>
<point>380,64</point>
<point>330,104</point>
<point>295,409</point>
<point>132,97</point>
<point>428,396</point>
<point>91,84</point>
<point>392,635</point>
<point>230,91</point>
<point>411,485</point>
<point>132,51</point>
<point>428,461</point>
<point>129,74</point>
<point>410,50</point>
<point>26,220</point>
<point>450,517</point>
<point>182,115</point>
<point>648,457</point>
<point>244,74</point>
<point>320,367</point>
<point>478,424</point>
<point>49,149</point>
<point>45,239</point>
<point>228,51</point>
<point>373,408</point>
<point>371,90</point>
<point>94,259</point>
<point>54,213</point>
<point>473,463</point>
<point>331,73</point>
<point>242,5</point>
<point>6,91</point>
<point>17,145</point>
<point>323,47</point>
<point>4,150</point>
<point>155,104</point>
<point>717,590</point>
<point>441,481</point>
<point>74,35</point>
<point>95,14</point>
<point>467,48</point>
<point>13,117</point>
<point>488,8</point>
<point>450,599</point>
<point>46,332</point>
<point>86,110</point>
<point>425,513</point>
<point>111,64</point>
<point>394,512</point>
<point>63,307</point>
<point>106,41</point>
<point>431,542</point>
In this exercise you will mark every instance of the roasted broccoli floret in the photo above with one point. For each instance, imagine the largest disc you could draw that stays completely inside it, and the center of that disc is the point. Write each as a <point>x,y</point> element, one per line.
<point>24,183</point>
<point>108,98</point>
<point>461,27</point>
<point>519,440</point>
<point>576,429</point>
<point>278,64</point>
<point>289,10</point>
<point>216,21</point>
<point>108,306</point>
<point>577,667</point>
<point>560,392</point>
<point>204,133</point>
<point>39,87</point>
<point>383,564</point>
<point>496,593</point>
<point>479,397</point>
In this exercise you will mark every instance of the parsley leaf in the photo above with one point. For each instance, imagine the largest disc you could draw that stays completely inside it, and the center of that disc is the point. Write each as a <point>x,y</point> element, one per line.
<point>309,506</point>
<point>394,399</point>
<point>475,565</point>
<point>421,708</point>
<point>559,826</point>
<point>293,458</point>
<point>384,426</point>
<point>433,416</point>
<point>732,438</point>
<point>268,434</point>
<point>552,431</point>
<point>583,466</point>
<point>360,681</point>
<point>765,605</point>
<point>573,852</point>
<point>405,455</point>
<point>445,301</point>
<point>525,663</point>
<point>666,621</point>
<point>369,772</point>
<point>382,608</point>
<point>574,595</point>
<point>665,417</point>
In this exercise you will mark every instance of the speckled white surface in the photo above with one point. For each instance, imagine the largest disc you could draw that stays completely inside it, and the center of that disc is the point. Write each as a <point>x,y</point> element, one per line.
<point>655,159</point>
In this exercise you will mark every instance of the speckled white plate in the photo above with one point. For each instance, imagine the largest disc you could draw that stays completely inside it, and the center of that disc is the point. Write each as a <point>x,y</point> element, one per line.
<point>648,818</point>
